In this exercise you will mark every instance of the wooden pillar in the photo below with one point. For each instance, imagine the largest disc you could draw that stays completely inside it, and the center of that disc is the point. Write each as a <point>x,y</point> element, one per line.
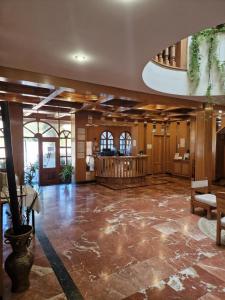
<point>137,133</point>
<point>205,144</point>
<point>79,138</point>
<point>16,124</point>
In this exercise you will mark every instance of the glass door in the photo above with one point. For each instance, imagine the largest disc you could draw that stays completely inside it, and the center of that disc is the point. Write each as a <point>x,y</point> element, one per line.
<point>49,161</point>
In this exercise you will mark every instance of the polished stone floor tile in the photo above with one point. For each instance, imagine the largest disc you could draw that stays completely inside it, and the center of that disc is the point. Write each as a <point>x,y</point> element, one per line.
<point>140,243</point>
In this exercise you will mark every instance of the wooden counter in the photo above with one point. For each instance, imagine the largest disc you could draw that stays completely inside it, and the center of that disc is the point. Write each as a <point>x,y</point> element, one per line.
<point>121,169</point>
<point>182,167</point>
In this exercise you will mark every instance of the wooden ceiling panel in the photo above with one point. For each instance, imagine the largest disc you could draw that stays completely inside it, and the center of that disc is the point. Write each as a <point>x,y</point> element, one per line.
<point>121,102</point>
<point>24,89</point>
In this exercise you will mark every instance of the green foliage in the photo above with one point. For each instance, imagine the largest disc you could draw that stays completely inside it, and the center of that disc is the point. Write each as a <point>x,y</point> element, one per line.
<point>209,35</point>
<point>194,64</point>
<point>66,173</point>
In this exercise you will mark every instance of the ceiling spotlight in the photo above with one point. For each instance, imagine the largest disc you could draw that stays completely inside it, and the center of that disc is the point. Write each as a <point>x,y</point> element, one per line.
<point>80,58</point>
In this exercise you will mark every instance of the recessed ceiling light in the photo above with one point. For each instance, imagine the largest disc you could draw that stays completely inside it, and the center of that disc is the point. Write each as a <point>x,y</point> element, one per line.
<point>80,57</point>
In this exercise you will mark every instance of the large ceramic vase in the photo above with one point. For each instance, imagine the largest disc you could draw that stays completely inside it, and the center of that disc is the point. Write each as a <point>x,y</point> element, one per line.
<point>18,264</point>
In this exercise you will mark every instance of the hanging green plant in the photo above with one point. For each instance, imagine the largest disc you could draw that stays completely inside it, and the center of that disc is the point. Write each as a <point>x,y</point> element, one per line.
<point>209,35</point>
<point>194,63</point>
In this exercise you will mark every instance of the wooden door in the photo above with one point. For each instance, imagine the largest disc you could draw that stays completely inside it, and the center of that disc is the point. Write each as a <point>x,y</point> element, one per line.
<point>158,150</point>
<point>49,161</point>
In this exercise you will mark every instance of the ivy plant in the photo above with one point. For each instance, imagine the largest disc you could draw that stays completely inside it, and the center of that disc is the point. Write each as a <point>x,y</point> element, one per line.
<point>209,35</point>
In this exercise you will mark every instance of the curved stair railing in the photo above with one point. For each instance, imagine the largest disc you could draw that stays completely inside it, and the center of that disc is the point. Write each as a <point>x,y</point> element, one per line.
<point>174,56</point>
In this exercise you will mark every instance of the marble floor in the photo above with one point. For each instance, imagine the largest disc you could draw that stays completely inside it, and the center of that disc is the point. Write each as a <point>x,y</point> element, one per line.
<point>133,244</point>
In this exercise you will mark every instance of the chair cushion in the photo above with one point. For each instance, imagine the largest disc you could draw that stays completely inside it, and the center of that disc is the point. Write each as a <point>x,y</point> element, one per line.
<point>223,221</point>
<point>207,199</point>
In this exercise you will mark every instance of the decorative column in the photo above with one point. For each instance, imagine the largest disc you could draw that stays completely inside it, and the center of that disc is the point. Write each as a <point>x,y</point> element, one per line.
<point>79,145</point>
<point>205,144</point>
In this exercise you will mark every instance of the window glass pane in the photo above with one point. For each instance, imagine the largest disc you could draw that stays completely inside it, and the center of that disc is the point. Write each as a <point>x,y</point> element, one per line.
<point>2,153</point>
<point>33,126</point>
<point>2,143</point>
<point>27,133</point>
<point>68,142</point>
<point>69,160</point>
<point>65,126</point>
<point>49,155</point>
<point>62,161</point>
<point>69,151</point>
<point>2,164</point>
<point>31,151</point>
<point>62,151</point>
<point>50,133</point>
<point>62,142</point>
<point>43,127</point>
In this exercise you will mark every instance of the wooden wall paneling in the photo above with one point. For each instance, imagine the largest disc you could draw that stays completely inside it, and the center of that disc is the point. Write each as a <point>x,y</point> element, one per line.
<point>73,145</point>
<point>220,159</point>
<point>149,147</point>
<point>134,133</point>
<point>168,158</point>
<point>172,133</point>
<point>80,165</point>
<point>214,148</point>
<point>140,137</point>
<point>222,122</point>
<point>192,146</point>
<point>158,149</point>
<point>200,146</point>
<point>204,144</point>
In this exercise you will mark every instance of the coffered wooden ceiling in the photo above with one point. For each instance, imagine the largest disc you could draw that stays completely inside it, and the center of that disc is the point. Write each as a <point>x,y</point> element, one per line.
<point>39,93</point>
<point>61,97</point>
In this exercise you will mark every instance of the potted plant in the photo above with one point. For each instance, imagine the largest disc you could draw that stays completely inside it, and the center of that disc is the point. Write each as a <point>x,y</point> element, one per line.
<point>66,173</point>
<point>18,264</point>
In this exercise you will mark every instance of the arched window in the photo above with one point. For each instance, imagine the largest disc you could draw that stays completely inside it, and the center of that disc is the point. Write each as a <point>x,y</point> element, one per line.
<point>65,147</point>
<point>125,143</point>
<point>45,129</point>
<point>106,141</point>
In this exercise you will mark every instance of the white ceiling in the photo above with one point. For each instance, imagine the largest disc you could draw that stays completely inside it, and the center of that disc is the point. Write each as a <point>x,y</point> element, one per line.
<point>118,36</point>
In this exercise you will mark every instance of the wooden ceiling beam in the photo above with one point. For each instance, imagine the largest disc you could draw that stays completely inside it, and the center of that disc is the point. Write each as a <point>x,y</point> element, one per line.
<point>60,103</point>
<point>23,89</point>
<point>49,108</point>
<point>84,87</point>
<point>49,98</point>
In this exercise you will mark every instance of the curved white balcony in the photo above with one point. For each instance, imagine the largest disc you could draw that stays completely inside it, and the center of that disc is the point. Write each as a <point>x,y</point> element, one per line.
<point>174,81</point>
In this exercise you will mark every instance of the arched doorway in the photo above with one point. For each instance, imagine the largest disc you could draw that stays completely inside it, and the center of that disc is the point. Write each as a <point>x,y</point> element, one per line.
<point>46,147</point>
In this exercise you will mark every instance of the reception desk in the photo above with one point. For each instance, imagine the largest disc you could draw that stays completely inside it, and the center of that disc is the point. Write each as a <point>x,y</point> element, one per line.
<point>120,169</point>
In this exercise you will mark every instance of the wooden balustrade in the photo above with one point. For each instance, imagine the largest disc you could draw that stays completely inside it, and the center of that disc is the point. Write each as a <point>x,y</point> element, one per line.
<point>174,56</point>
<point>120,169</point>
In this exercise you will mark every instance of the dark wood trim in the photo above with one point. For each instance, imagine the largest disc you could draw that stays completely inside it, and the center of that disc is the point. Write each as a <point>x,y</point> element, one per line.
<point>14,205</point>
